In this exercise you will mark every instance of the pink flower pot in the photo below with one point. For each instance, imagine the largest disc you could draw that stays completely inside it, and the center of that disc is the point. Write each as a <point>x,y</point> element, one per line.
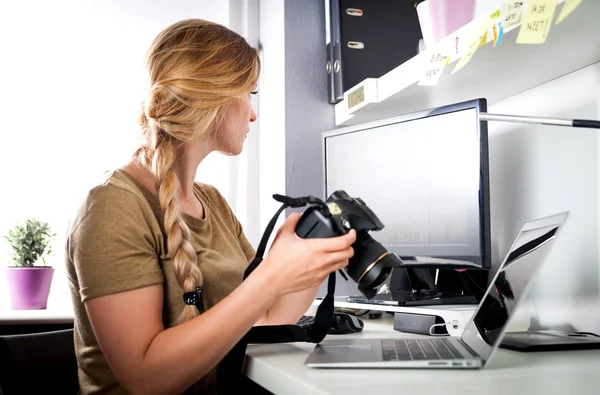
<point>439,18</point>
<point>28,287</point>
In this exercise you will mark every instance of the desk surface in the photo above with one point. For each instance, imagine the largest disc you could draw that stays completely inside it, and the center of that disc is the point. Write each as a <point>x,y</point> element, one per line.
<point>59,311</point>
<point>279,368</point>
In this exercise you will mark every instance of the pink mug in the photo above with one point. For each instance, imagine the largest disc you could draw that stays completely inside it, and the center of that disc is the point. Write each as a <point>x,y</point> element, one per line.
<point>439,18</point>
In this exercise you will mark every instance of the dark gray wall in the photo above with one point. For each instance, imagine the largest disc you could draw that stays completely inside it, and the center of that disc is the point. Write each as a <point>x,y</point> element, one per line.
<point>307,111</point>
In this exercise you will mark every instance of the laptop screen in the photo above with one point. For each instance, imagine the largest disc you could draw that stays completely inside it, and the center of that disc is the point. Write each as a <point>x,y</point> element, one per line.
<point>485,331</point>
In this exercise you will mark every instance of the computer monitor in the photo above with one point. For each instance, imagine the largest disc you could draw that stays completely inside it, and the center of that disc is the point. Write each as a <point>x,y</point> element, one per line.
<point>426,176</point>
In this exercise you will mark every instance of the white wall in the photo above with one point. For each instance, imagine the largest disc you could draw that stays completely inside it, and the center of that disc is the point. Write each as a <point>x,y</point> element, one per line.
<point>537,171</point>
<point>244,172</point>
<point>541,170</point>
<point>72,82</point>
<point>271,111</point>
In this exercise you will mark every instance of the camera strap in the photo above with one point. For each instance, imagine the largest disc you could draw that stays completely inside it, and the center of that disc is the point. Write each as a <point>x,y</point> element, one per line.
<point>324,315</point>
<point>231,365</point>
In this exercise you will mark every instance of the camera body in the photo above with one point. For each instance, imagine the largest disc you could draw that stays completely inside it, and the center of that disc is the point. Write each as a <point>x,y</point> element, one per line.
<point>372,263</point>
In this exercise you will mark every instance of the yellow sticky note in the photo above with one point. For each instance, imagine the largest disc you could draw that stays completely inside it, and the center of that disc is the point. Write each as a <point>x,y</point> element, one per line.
<point>537,21</point>
<point>478,38</point>
<point>512,12</point>
<point>568,8</point>
<point>434,66</point>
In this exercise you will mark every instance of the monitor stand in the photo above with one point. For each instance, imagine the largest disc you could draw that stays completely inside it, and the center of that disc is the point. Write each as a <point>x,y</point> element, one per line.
<point>416,299</point>
<point>441,298</point>
<point>426,287</point>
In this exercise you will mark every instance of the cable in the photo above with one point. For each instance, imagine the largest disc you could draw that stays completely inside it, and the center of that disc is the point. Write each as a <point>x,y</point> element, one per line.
<point>454,324</point>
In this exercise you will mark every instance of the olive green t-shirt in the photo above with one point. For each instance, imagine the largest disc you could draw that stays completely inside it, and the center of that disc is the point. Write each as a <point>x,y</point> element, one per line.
<point>116,242</point>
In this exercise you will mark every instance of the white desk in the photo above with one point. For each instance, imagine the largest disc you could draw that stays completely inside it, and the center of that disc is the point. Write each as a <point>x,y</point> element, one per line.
<point>279,368</point>
<point>59,311</point>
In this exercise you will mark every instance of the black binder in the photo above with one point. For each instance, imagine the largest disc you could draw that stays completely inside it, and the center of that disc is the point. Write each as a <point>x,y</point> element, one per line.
<point>336,49</point>
<point>368,39</point>
<point>330,60</point>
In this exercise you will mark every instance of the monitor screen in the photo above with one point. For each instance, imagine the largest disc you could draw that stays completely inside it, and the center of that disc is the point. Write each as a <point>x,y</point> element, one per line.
<point>425,175</point>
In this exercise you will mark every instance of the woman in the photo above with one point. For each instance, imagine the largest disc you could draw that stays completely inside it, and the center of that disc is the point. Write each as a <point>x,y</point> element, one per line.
<point>149,234</point>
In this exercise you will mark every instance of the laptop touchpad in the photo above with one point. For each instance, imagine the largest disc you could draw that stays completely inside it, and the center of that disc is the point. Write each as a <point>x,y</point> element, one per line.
<point>358,350</point>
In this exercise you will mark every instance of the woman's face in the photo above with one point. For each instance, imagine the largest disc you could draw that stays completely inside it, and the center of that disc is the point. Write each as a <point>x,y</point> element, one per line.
<point>235,126</point>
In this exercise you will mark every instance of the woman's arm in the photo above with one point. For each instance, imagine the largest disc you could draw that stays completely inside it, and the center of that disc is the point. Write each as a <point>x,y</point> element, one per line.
<point>288,309</point>
<point>147,359</point>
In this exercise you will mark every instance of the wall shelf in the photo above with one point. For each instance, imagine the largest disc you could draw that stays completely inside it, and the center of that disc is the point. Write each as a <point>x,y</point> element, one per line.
<point>495,73</point>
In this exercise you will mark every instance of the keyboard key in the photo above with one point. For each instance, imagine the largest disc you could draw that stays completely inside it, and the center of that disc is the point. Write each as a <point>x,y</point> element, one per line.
<point>429,350</point>
<point>402,350</point>
<point>388,350</point>
<point>441,348</point>
<point>415,349</point>
<point>452,349</point>
<point>305,321</point>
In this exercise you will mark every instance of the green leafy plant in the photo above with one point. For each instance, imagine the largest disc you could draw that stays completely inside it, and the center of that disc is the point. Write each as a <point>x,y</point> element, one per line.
<point>30,242</point>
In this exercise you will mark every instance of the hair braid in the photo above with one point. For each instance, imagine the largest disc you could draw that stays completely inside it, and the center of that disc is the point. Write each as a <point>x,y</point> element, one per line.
<point>185,261</point>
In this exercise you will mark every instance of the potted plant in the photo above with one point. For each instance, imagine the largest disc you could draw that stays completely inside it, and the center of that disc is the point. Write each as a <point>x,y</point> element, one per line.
<point>29,278</point>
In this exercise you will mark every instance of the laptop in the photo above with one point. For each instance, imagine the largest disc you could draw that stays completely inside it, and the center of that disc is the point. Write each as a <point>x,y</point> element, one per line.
<point>484,331</point>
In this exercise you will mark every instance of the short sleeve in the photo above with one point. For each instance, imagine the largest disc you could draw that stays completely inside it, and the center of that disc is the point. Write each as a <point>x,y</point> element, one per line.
<point>113,244</point>
<point>244,243</point>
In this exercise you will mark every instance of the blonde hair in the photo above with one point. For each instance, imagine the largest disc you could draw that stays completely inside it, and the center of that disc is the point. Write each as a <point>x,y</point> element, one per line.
<point>196,70</point>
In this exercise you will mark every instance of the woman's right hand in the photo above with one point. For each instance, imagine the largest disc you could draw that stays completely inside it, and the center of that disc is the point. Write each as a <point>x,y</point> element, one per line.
<point>297,264</point>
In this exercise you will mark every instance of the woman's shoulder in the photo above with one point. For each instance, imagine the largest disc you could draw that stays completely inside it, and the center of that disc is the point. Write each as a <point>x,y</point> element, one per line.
<point>114,194</point>
<point>114,185</point>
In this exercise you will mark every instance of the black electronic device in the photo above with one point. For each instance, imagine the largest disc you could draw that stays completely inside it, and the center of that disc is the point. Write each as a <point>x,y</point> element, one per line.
<point>426,175</point>
<point>343,323</point>
<point>425,324</point>
<point>371,263</point>
<point>531,341</point>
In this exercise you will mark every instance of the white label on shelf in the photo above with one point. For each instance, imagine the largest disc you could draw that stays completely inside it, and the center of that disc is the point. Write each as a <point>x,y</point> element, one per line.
<point>512,12</point>
<point>434,66</point>
<point>537,21</point>
<point>356,97</point>
<point>568,8</point>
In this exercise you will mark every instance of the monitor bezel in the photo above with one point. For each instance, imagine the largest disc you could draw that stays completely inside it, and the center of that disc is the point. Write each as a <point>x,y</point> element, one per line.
<point>480,105</point>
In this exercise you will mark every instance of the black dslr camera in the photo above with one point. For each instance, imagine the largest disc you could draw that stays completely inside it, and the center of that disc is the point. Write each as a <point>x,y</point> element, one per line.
<point>372,263</point>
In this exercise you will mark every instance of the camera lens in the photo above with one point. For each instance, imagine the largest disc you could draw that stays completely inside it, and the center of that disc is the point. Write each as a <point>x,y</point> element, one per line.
<point>371,264</point>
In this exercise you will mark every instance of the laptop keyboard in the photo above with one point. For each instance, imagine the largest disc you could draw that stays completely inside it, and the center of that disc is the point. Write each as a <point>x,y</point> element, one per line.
<point>419,349</point>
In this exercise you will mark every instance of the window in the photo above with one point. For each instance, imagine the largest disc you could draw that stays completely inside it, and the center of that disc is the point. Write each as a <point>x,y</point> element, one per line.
<point>72,81</point>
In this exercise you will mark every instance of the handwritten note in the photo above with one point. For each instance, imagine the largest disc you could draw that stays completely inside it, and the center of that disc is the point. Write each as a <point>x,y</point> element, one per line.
<point>434,66</point>
<point>568,8</point>
<point>478,37</point>
<point>512,13</point>
<point>537,21</point>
